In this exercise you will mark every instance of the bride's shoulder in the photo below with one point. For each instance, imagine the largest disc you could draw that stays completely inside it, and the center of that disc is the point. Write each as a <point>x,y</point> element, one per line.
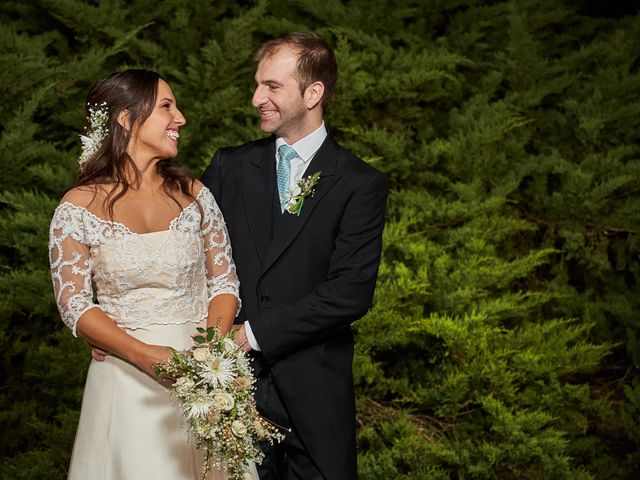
<point>200,191</point>
<point>84,195</point>
<point>196,187</point>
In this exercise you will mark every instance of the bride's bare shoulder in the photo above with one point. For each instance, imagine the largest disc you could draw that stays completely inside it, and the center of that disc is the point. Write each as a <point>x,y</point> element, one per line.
<point>85,195</point>
<point>196,187</point>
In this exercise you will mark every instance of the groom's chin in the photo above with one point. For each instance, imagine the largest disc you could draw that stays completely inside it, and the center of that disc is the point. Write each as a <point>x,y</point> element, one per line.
<point>268,127</point>
<point>270,123</point>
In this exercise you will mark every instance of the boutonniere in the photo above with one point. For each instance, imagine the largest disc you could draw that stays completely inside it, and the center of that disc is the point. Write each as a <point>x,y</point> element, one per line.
<point>306,188</point>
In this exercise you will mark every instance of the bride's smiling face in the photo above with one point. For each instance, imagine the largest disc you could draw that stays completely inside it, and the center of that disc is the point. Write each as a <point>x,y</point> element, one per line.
<point>157,136</point>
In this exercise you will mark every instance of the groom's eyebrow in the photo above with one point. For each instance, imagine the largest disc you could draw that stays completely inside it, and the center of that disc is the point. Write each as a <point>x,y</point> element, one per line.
<point>270,82</point>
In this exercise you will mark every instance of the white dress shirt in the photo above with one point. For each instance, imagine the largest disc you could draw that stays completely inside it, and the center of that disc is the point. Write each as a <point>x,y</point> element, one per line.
<point>306,149</point>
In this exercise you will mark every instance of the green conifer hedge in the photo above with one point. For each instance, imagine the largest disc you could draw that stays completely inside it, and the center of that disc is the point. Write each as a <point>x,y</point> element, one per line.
<point>504,342</point>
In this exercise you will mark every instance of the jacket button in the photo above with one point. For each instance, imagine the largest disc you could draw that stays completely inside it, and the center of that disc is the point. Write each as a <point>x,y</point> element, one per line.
<point>265,298</point>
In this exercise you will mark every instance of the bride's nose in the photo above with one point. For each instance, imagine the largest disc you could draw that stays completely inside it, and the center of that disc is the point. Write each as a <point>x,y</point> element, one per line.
<point>179,119</point>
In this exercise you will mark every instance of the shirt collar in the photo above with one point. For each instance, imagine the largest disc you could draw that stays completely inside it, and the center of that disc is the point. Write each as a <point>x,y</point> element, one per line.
<point>306,147</point>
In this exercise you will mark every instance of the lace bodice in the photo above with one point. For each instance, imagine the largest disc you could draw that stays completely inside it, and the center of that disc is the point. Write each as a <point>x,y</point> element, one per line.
<point>140,279</point>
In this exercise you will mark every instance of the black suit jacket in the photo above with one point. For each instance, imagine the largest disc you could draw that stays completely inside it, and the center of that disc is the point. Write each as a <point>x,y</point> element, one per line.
<point>304,282</point>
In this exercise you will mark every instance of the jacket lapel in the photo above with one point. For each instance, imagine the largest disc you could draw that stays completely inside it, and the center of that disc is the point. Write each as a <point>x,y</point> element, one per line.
<point>257,185</point>
<point>288,227</point>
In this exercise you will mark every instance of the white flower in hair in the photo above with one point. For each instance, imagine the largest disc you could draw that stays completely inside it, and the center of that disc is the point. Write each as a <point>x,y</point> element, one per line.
<point>96,132</point>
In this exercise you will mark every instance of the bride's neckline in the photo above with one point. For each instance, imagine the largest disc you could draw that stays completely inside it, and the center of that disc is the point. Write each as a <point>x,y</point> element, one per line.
<point>127,230</point>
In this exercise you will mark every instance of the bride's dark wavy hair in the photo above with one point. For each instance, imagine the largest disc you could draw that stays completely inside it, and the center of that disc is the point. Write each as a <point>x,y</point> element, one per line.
<point>135,92</point>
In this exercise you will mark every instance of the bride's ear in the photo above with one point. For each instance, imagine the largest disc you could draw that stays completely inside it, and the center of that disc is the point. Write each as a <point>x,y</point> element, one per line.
<point>123,119</point>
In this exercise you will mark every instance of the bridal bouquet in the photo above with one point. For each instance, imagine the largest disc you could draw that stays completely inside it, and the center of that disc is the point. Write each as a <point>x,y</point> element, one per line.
<point>213,383</point>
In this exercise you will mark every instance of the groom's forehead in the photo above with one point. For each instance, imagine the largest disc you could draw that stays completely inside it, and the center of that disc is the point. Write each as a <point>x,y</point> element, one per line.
<point>282,58</point>
<point>277,69</point>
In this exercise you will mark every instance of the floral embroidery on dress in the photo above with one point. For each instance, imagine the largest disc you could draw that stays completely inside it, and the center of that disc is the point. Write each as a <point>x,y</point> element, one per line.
<point>165,277</point>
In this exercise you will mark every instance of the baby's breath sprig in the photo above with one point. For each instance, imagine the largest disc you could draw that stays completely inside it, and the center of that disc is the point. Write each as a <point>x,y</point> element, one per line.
<point>305,188</point>
<point>96,132</point>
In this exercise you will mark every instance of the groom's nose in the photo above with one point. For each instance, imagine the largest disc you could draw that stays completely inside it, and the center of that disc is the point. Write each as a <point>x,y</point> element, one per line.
<point>259,96</point>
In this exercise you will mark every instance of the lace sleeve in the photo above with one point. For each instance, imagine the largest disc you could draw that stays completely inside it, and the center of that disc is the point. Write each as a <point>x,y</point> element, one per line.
<point>221,271</point>
<point>70,263</point>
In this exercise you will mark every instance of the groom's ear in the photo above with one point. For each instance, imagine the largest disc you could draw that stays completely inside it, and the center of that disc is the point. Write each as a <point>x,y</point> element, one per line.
<point>313,95</point>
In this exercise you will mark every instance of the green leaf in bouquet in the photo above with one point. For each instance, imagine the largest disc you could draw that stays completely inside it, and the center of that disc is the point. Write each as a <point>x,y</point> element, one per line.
<point>210,334</point>
<point>179,357</point>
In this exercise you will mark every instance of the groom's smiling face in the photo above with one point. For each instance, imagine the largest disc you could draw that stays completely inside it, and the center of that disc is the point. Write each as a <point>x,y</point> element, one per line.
<point>278,97</point>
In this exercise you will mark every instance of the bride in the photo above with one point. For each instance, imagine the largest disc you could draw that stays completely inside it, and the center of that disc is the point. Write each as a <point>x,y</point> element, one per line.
<point>150,243</point>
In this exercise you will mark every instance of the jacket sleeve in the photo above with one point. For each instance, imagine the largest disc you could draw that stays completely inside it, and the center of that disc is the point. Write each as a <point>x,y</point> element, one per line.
<point>211,176</point>
<point>347,292</point>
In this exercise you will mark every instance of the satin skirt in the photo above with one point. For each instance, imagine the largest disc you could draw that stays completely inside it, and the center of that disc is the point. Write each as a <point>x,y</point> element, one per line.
<point>130,428</point>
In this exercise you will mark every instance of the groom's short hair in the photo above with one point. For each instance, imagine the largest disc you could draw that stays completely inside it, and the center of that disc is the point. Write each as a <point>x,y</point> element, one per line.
<point>316,61</point>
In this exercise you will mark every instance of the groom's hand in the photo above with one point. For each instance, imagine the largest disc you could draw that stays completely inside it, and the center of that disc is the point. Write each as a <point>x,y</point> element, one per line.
<point>240,338</point>
<point>98,354</point>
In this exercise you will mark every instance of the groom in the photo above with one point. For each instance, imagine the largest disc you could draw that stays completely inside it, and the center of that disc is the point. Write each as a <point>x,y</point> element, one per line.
<point>305,276</point>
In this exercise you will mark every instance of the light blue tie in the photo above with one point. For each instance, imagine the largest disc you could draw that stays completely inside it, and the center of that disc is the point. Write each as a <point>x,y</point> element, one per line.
<point>286,153</point>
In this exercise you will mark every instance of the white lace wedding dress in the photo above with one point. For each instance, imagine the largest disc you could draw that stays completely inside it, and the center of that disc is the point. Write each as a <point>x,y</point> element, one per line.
<point>157,285</point>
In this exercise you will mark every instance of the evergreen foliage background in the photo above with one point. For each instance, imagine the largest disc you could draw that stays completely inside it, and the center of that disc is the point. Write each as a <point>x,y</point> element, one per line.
<point>504,340</point>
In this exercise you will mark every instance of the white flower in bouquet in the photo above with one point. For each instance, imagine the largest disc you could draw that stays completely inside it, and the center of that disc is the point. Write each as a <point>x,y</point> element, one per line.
<point>201,354</point>
<point>184,385</point>
<point>238,428</point>
<point>230,345</point>
<point>243,365</point>
<point>200,406</point>
<point>218,371</point>
<point>223,401</point>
